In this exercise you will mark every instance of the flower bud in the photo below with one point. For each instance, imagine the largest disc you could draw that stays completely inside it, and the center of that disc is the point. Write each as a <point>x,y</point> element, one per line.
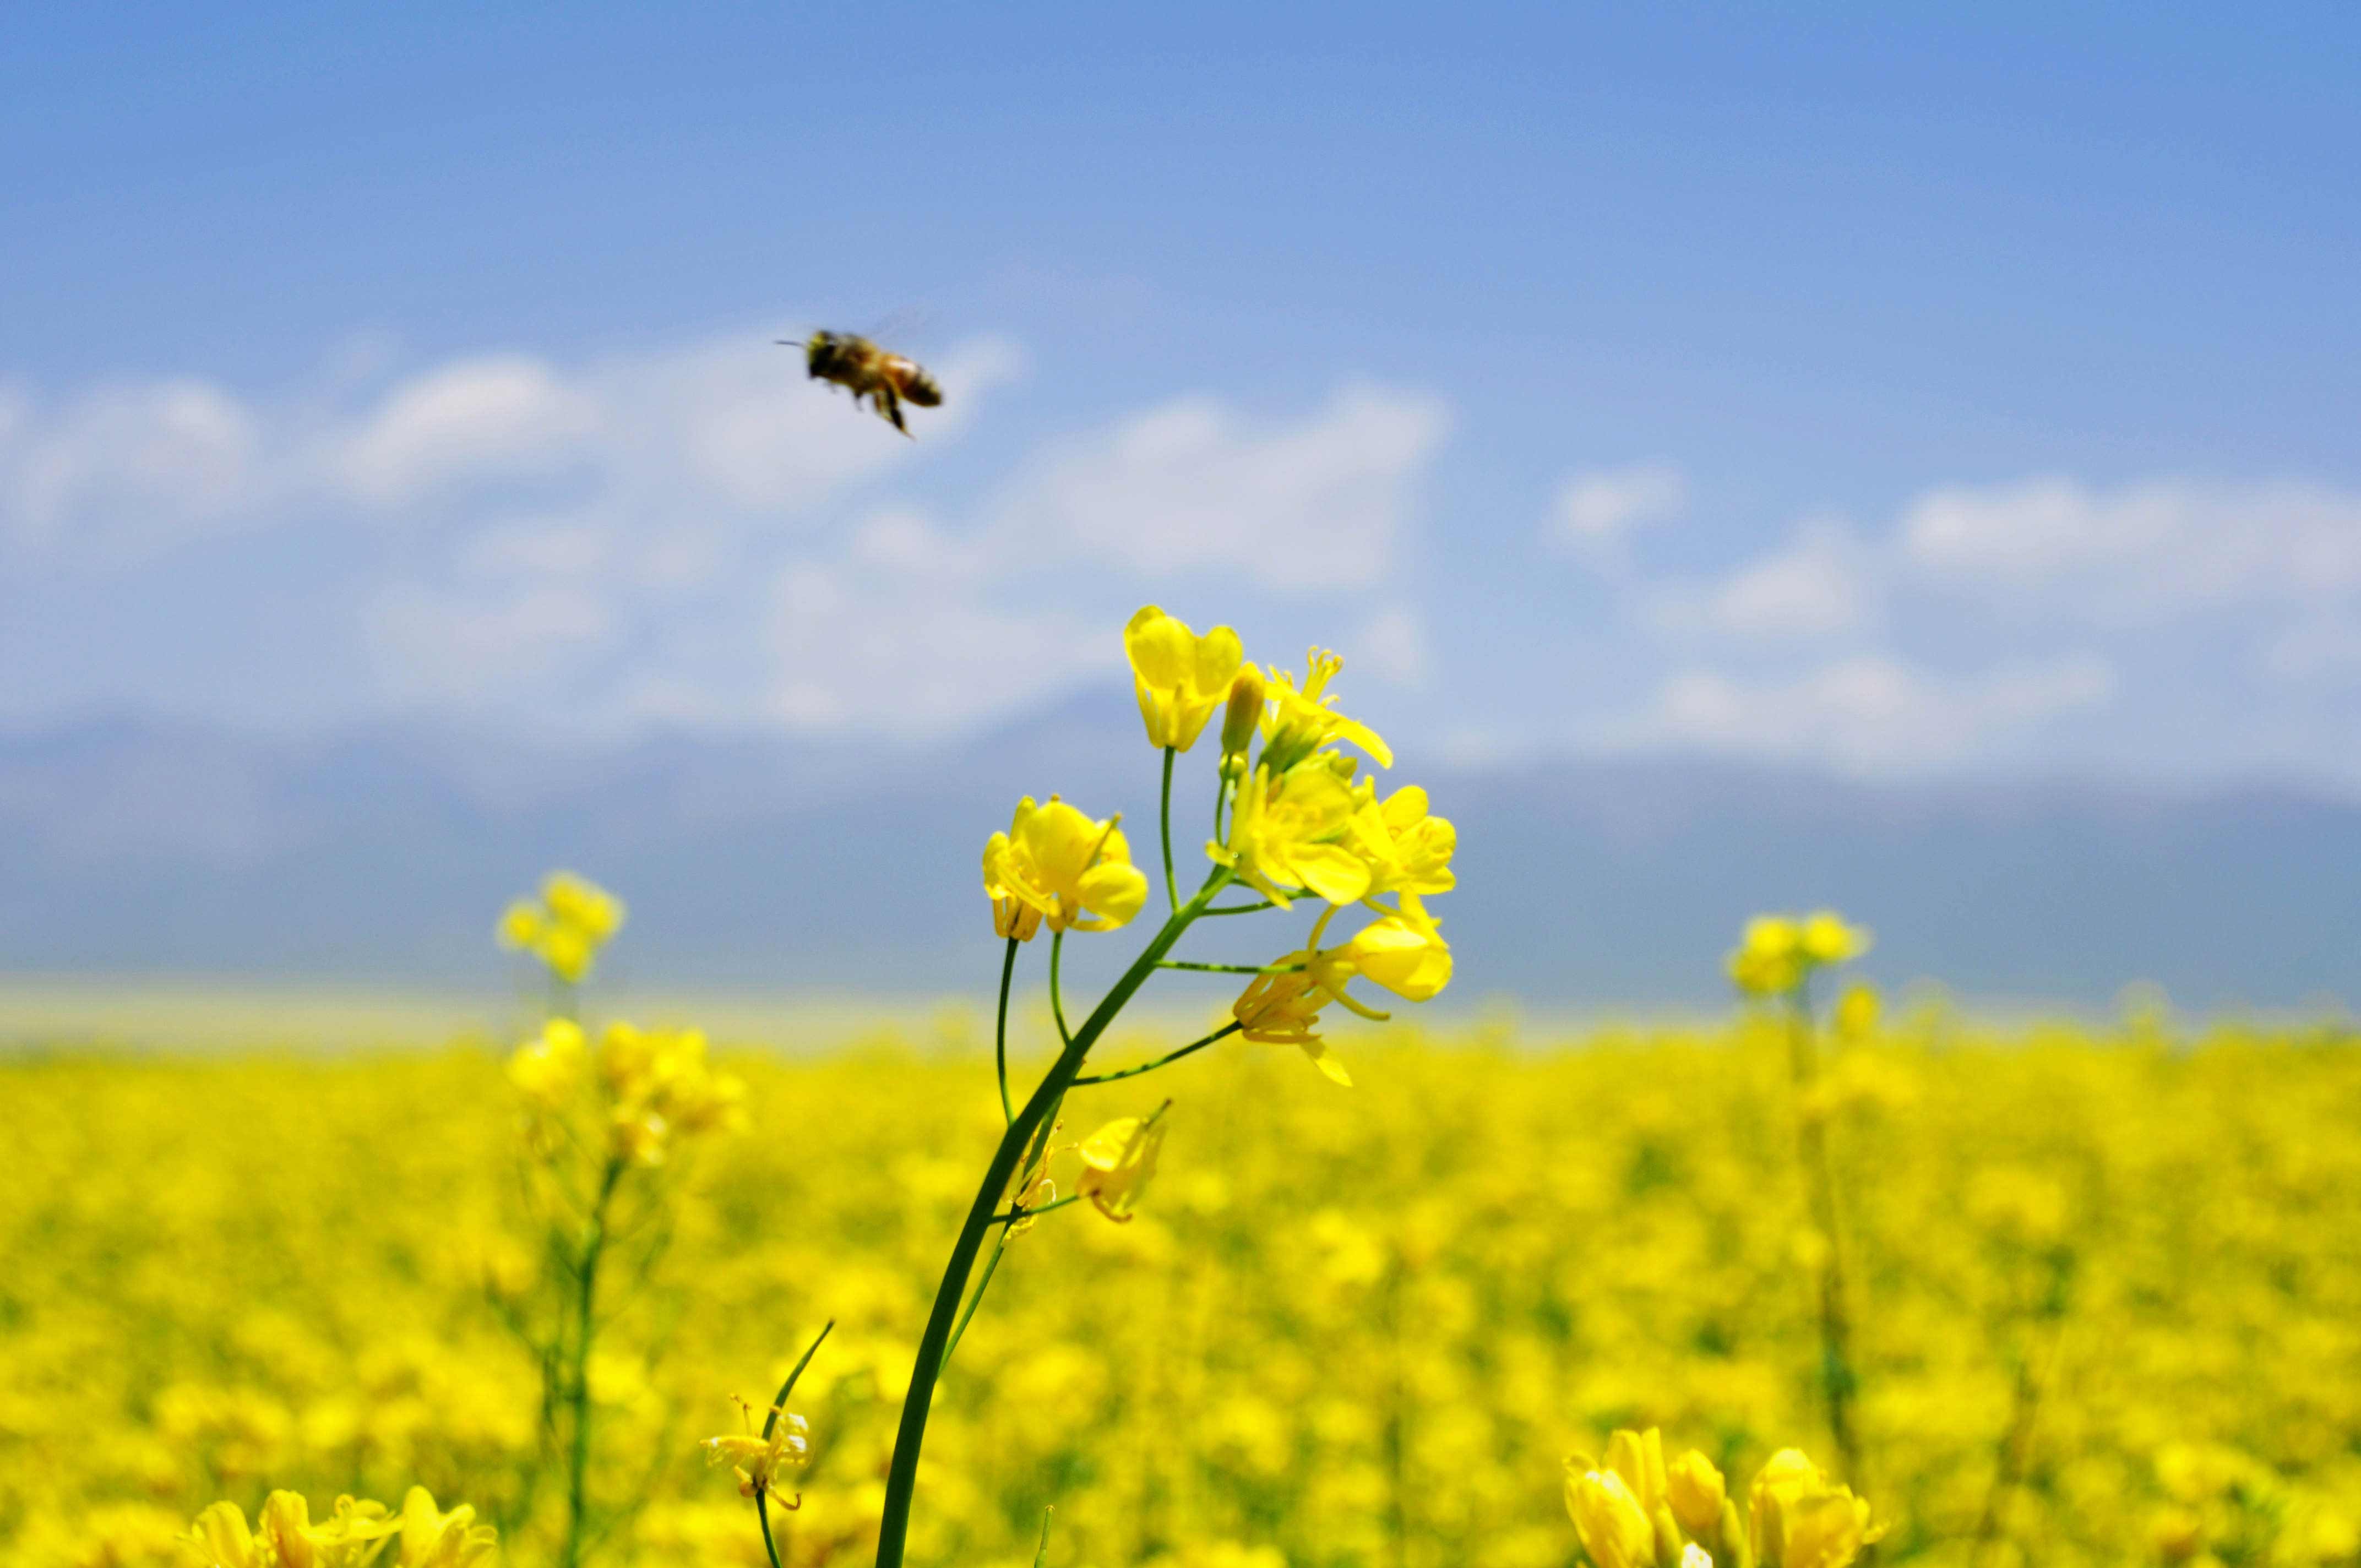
<point>1243,717</point>
<point>1615,1530</point>
<point>1696,1490</point>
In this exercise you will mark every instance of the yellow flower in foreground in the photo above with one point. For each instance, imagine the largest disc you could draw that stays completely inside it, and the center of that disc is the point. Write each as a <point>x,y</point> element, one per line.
<point>1799,1520</point>
<point>1117,1161</point>
<point>1058,866</point>
<point>432,1538</point>
<point>1180,677</point>
<point>758,1461</point>
<point>1303,721</point>
<point>1288,832</point>
<point>1695,1491</point>
<point>1639,1458</point>
<point>1614,1527</point>
<point>1281,1008</point>
<point>1404,952</point>
<point>1408,851</point>
<point>285,1536</point>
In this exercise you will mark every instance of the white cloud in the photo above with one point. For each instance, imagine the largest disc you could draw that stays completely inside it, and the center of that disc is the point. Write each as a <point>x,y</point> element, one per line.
<point>480,420</point>
<point>1392,645</point>
<point>1306,508</point>
<point>124,470</point>
<point>2148,551</point>
<point>912,659</point>
<point>1822,584</point>
<point>1606,505</point>
<point>1814,588</point>
<point>484,653</point>
<point>722,433</point>
<point>1871,714</point>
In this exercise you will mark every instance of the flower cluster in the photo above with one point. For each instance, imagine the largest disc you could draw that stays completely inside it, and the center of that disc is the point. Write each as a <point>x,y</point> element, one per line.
<point>565,928</point>
<point>1635,1511</point>
<point>654,1087</point>
<point>356,1534</point>
<point>1058,867</point>
<point>1779,952</point>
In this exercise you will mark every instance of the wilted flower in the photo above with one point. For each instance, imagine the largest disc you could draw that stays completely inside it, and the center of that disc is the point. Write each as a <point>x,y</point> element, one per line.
<point>1117,1161</point>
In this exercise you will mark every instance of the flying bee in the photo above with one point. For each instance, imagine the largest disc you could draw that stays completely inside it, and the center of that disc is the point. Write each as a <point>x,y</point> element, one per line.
<point>868,371</point>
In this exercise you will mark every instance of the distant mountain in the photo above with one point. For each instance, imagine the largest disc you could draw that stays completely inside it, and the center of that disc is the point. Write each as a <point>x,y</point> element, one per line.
<point>383,856</point>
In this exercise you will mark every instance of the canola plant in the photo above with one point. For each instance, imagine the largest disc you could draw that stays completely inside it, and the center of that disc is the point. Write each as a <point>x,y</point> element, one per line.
<point>610,1294</point>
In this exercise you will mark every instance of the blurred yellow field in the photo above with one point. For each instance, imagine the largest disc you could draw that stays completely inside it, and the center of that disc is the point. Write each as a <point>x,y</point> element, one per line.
<point>1345,1326</point>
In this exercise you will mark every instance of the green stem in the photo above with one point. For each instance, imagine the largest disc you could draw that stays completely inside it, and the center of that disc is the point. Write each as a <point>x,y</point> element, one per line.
<point>1837,1376</point>
<point>975,1299</point>
<point>577,1387</point>
<point>1189,1050</point>
<point>1010,1216</point>
<point>1000,1034</point>
<point>902,1477</point>
<point>770,1424</point>
<point>1164,825</point>
<point>1245,908</point>
<point>1231,968</point>
<point>1057,998</point>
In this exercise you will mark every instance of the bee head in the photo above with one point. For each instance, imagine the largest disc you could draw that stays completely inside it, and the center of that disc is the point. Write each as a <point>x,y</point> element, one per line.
<point>820,352</point>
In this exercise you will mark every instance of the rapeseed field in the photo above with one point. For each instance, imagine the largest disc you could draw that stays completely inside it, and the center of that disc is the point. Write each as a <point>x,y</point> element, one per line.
<point>1819,1285</point>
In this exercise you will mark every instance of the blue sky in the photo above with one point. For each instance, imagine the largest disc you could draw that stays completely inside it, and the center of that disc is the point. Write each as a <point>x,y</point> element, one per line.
<point>1894,392</point>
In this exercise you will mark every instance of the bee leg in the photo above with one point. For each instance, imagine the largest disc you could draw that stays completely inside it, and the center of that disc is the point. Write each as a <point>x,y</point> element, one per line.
<point>889,408</point>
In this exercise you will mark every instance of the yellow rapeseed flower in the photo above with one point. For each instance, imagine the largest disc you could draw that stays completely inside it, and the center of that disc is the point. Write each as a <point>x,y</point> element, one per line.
<point>1778,952</point>
<point>1407,850</point>
<point>1302,720</point>
<point>660,1087</point>
<point>548,1068</point>
<point>285,1536</point>
<point>1695,1491</point>
<point>1180,677</point>
<point>1057,866</point>
<point>1615,1529</point>
<point>758,1461</point>
<point>1117,1161</point>
<point>1288,835</point>
<point>574,918</point>
<point>1404,952</point>
<point>1799,1520</point>
<point>433,1539</point>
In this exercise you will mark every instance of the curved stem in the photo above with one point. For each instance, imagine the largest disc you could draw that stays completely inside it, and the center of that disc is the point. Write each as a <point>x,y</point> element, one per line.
<point>1245,908</point>
<point>1189,1050</point>
<point>1056,1000</point>
<point>1164,825</point>
<point>902,1477</point>
<point>770,1424</point>
<point>1000,1032</point>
